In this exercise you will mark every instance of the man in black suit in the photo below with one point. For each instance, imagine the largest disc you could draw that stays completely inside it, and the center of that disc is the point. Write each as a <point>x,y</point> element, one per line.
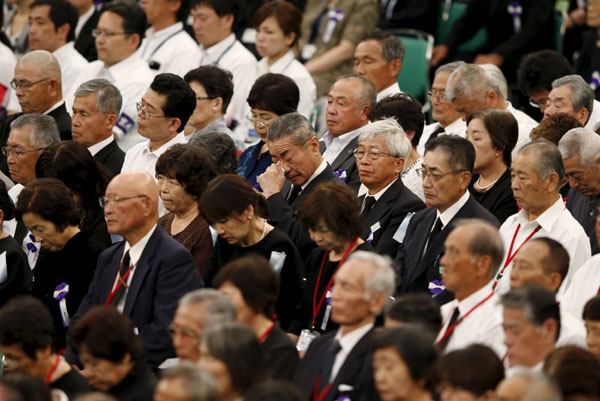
<point>383,148</point>
<point>348,104</point>
<point>88,19</point>
<point>297,169</point>
<point>446,172</point>
<point>339,364</point>
<point>95,113</point>
<point>145,275</point>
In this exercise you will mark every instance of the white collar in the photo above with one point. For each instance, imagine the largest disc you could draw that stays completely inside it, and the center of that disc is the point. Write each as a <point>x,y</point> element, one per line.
<point>135,252</point>
<point>280,65</point>
<point>472,300</point>
<point>318,171</point>
<point>348,341</point>
<point>97,147</point>
<point>163,33</point>
<point>63,50</point>
<point>219,48</point>
<point>55,106</point>
<point>122,70</point>
<point>457,127</point>
<point>343,139</point>
<point>381,191</point>
<point>547,219</point>
<point>83,19</point>
<point>179,138</point>
<point>390,90</point>
<point>449,213</point>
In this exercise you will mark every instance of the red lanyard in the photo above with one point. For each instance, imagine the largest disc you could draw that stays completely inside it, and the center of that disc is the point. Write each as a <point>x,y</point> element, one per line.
<point>320,396</point>
<point>317,307</point>
<point>450,329</point>
<point>54,367</point>
<point>510,256</point>
<point>264,335</point>
<point>119,284</point>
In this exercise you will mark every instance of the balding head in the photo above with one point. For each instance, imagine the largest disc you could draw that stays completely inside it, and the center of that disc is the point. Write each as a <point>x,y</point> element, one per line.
<point>44,62</point>
<point>38,82</point>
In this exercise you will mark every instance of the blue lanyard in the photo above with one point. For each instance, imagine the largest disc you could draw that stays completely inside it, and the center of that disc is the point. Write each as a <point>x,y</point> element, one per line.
<point>225,52</point>
<point>165,40</point>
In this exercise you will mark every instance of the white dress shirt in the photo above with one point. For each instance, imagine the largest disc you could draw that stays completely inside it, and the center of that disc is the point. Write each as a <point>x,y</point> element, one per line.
<point>335,145</point>
<point>347,342</point>
<point>172,47</point>
<point>290,67</point>
<point>447,215</point>
<point>458,127</point>
<point>525,123</point>
<point>572,330</point>
<point>557,223</point>
<point>482,326</point>
<point>71,63</point>
<point>230,54</point>
<point>584,286</point>
<point>97,147</point>
<point>390,90</point>
<point>10,227</point>
<point>7,71</point>
<point>594,120</point>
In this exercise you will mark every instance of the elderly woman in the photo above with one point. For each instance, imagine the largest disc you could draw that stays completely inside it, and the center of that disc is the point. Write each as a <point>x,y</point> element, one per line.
<point>494,134</point>
<point>277,25</point>
<point>183,172</point>
<point>331,214</point>
<point>236,211</point>
<point>65,270</point>
<point>253,288</point>
<point>231,353</point>
<point>112,355</point>
<point>271,96</point>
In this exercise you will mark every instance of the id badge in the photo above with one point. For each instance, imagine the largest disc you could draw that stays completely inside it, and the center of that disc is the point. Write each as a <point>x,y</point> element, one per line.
<point>306,337</point>
<point>308,50</point>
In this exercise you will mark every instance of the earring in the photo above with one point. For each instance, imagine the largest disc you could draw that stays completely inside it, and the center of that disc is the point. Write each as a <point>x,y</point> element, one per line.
<point>249,217</point>
<point>214,109</point>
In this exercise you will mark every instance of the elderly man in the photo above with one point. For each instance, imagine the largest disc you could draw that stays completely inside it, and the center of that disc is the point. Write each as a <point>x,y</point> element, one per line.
<point>95,113</point>
<point>145,275</point>
<point>531,322</point>
<point>298,168</point>
<point>186,382</point>
<point>446,172</point>
<point>338,364</point>
<point>536,175</point>
<point>382,150</point>
<point>119,32</point>
<point>473,252</point>
<point>378,57</point>
<point>580,151</point>
<point>525,385</point>
<point>348,104</point>
<point>52,28</point>
<point>449,120</point>
<point>545,261</point>
<point>572,95</point>
<point>471,88</point>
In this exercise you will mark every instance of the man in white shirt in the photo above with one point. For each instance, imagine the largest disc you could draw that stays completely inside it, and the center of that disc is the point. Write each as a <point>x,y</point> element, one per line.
<point>473,252</point>
<point>338,364</point>
<point>448,119</point>
<point>378,57</point>
<point>118,35</point>
<point>537,173</point>
<point>348,104</point>
<point>51,28</point>
<point>167,47</point>
<point>213,25</point>
<point>573,96</point>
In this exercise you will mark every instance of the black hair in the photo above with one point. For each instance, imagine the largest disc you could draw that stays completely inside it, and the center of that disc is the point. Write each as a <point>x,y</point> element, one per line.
<point>61,12</point>
<point>460,153</point>
<point>181,99</point>
<point>134,17</point>
<point>221,149</point>
<point>6,204</point>
<point>221,8</point>
<point>416,308</point>
<point>405,109</point>
<point>276,93</point>
<point>215,81</point>
<point>538,70</point>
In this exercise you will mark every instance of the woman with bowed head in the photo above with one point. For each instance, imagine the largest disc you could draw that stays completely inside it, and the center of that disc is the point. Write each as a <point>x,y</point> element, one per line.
<point>331,214</point>
<point>271,96</point>
<point>493,134</point>
<point>65,270</point>
<point>183,172</point>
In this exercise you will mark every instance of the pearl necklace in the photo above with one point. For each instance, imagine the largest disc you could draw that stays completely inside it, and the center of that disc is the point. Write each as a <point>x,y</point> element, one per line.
<point>481,188</point>
<point>264,230</point>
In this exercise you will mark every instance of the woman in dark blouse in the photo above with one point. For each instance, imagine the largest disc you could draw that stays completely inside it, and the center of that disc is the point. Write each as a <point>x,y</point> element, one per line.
<point>494,135</point>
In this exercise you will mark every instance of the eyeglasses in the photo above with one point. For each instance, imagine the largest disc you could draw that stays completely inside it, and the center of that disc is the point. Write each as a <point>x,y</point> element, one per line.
<point>98,32</point>
<point>24,84</point>
<point>6,151</point>
<point>262,120</point>
<point>440,94</point>
<point>184,331</point>
<point>141,108</point>
<point>371,154</point>
<point>104,201</point>
<point>423,173</point>
<point>539,104</point>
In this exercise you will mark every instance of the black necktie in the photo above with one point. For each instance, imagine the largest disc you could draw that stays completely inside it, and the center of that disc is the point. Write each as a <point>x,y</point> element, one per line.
<point>369,202</point>
<point>448,333</point>
<point>435,133</point>
<point>121,279</point>
<point>327,364</point>
<point>437,228</point>
<point>294,193</point>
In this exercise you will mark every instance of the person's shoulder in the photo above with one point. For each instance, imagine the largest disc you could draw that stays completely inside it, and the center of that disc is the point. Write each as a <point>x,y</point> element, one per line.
<point>242,55</point>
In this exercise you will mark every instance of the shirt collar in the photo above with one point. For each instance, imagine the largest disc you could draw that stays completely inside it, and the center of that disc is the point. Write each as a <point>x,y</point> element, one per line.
<point>343,139</point>
<point>381,192</point>
<point>55,106</point>
<point>135,252</point>
<point>151,34</point>
<point>280,65</point>
<point>348,341</point>
<point>457,127</point>
<point>179,138</point>
<point>318,171</point>
<point>122,70</point>
<point>472,300</point>
<point>62,51</point>
<point>217,49</point>
<point>390,90</point>
<point>449,213</point>
<point>97,147</point>
<point>547,219</point>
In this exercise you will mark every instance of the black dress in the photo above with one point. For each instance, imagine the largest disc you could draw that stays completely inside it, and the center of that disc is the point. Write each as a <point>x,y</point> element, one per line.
<point>303,316</point>
<point>499,199</point>
<point>281,354</point>
<point>138,385</point>
<point>18,274</point>
<point>74,265</point>
<point>96,228</point>
<point>72,384</point>
<point>290,273</point>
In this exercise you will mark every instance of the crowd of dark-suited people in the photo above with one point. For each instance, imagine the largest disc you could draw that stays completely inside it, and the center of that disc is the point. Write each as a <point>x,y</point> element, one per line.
<point>211,200</point>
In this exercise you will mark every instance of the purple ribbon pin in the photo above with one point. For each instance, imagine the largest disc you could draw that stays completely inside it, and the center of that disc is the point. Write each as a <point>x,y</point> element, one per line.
<point>341,173</point>
<point>436,287</point>
<point>31,245</point>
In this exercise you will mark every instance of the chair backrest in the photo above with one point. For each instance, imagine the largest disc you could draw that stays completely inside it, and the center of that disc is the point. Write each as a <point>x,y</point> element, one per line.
<point>560,25</point>
<point>414,76</point>
<point>450,12</point>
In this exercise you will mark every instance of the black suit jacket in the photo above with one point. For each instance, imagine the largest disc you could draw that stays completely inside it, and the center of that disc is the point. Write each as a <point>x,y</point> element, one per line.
<point>111,156</point>
<point>285,214</point>
<point>356,371</point>
<point>347,162</point>
<point>163,274</point>
<point>417,270</point>
<point>387,213</point>
<point>85,43</point>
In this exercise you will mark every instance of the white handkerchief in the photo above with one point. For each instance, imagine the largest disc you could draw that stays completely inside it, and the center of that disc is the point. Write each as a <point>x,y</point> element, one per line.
<point>3,268</point>
<point>277,260</point>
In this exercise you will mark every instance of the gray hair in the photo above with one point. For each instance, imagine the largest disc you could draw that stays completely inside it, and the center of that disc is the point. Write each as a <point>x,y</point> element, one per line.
<point>470,80</point>
<point>497,77</point>
<point>293,126</point>
<point>395,137</point>
<point>583,94</point>
<point>109,98</point>
<point>217,307</point>
<point>548,159</point>
<point>536,301</point>
<point>367,94</point>
<point>541,387</point>
<point>44,130</point>
<point>382,279</point>
<point>485,241</point>
<point>391,46</point>
<point>580,142</point>
<point>449,67</point>
<point>198,384</point>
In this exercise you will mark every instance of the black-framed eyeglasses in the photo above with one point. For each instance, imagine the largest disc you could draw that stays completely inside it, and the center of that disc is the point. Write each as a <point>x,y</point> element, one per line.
<point>423,173</point>
<point>24,84</point>
<point>6,151</point>
<point>104,201</point>
<point>98,32</point>
<point>371,154</point>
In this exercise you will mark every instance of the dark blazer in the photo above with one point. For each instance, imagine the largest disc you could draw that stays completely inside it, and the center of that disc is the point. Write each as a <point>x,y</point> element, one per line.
<point>111,156</point>
<point>285,214</point>
<point>163,274</point>
<point>388,212</point>
<point>85,43</point>
<point>417,270</point>
<point>357,370</point>
<point>585,211</point>
<point>346,162</point>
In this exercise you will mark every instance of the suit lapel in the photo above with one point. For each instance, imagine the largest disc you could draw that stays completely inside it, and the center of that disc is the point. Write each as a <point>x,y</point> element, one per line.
<point>345,154</point>
<point>111,272</point>
<point>384,204</point>
<point>420,237</point>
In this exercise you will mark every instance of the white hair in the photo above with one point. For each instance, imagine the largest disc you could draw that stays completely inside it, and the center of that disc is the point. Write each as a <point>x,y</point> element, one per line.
<point>396,140</point>
<point>382,278</point>
<point>580,142</point>
<point>472,81</point>
<point>497,77</point>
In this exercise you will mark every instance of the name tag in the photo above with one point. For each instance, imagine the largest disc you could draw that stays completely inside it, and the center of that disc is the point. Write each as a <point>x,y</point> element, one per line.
<point>375,227</point>
<point>401,231</point>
